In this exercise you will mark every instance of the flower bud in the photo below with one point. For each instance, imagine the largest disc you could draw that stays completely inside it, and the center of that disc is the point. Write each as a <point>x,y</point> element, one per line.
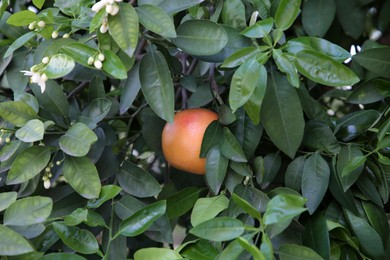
<point>41,24</point>
<point>103,28</point>
<point>45,60</point>
<point>46,184</point>
<point>98,64</point>
<point>101,57</point>
<point>31,26</point>
<point>54,34</point>
<point>90,60</point>
<point>66,35</point>
<point>109,8</point>
<point>7,140</point>
<point>115,10</point>
<point>44,77</point>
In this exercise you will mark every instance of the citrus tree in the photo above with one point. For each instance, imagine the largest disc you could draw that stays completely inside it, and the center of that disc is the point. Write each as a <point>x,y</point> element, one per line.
<point>282,148</point>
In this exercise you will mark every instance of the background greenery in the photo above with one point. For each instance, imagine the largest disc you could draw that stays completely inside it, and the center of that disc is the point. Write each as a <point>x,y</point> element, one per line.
<point>298,166</point>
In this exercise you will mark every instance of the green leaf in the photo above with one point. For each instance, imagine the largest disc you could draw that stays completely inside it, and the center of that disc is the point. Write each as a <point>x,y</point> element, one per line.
<point>17,113</point>
<point>76,217</point>
<point>31,132</point>
<point>253,106</point>
<point>272,164</point>
<point>317,16</point>
<point>21,41</point>
<point>240,56</point>
<point>216,167</point>
<point>156,20</point>
<point>231,148</point>
<point>233,14</point>
<point>212,136</point>
<point>254,250</point>
<point>350,165</point>
<point>201,249</point>
<point>113,66</point>
<point>370,91</point>
<point>124,28</point>
<point>319,136</point>
<point>208,208</point>
<point>219,229</point>
<point>281,114</point>
<point>28,164</point>
<point>22,18</point>
<point>323,69</point>
<point>369,240</point>
<point>244,82</point>
<point>287,12</point>
<point>6,199</point>
<point>136,181</point>
<point>28,211</point>
<point>259,29</point>
<point>377,218</point>
<point>38,3</point>
<point>98,109</point>
<point>315,181</point>
<point>283,207</point>
<point>233,250</point>
<point>154,253</point>
<point>175,6</point>
<point>317,44</point>
<point>83,176</point>
<point>77,140</point>
<point>294,172</point>
<point>80,240</point>
<point>246,206</point>
<point>141,220</point>
<point>79,52</point>
<point>62,256</point>
<point>297,252</point>
<point>107,192</point>
<point>130,89</point>
<point>193,35</point>
<point>58,66</point>
<point>12,243</point>
<point>353,21</point>
<point>376,60</point>
<point>316,235</point>
<point>286,66</point>
<point>182,201</point>
<point>157,84</point>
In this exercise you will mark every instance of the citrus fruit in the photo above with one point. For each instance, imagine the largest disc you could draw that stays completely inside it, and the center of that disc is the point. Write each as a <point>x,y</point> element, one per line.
<point>182,140</point>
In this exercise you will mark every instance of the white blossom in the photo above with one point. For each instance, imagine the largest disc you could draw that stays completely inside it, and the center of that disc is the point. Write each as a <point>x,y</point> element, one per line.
<point>37,78</point>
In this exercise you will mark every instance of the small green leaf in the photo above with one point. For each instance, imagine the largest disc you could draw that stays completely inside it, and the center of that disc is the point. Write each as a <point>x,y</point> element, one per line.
<point>154,253</point>
<point>82,175</point>
<point>76,217</point>
<point>113,66</point>
<point>194,35</point>
<point>17,113</point>
<point>231,148</point>
<point>240,56</point>
<point>38,3</point>
<point>285,65</point>
<point>80,240</point>
<point>157,84</point>
<point>124,28</point>
<point>323,69</point>
<point>107,192</point>
<point>283,207</point>
<point>21,41</point>
<point>28,211</point>
<point>219,229</point>
<point>6,199</point>
<point>287,12</point>
<point>156,20</point>
<point>12,243</point>
<point>297,252</point>
<point>79,52</point>
<point>212,136</point>
<point>216,167</point>
<point>58,66</point>
<point>28,164</point>
<point>22,18</point>
<point>243,84</point>
<point>253,106</point>
<point>294,172</point>
<point>77,140</point>
<point>259,29</point>
<point>31,132</point>
<point>254,250</point>
<point>246,206</point>
<point>141,220</point>
<point>182,201</point>
<point>208,208</point>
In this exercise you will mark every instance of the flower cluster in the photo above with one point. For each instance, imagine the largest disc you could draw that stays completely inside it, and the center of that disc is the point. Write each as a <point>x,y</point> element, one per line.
<point>96,61</point>
<point>111,8</point>
<point>37,75</point>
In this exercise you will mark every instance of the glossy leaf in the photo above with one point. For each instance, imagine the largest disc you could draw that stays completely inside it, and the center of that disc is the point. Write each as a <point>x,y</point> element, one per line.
<point>350,165</point>
<point>294,172</point>
<point>322,69</point>
<point>202,249</point>
<point>317,16</point>
<point>17,113</point>
<point>216,167</point>
<point>113,66</point>
<point>253,105</point>
<point>375,60</point>
<point>283,207</point>
<point>233,250</point>
<point>281,114</point>
<point>156,20</point>
<point>80,240</point>
<point>297,252</point>
<point>246,206</point>
<point>259,29</point>
<point>319,136</point>
<point>106,193</point>
<point>193,35</point>
<point>82,175</point>
<point>239,57</point>
<point>79,52</point>
<point>285,65</point>
<point>124,28</point>
<point>28,211</point>
<point>12,243</point>
<point>141,220</point>
<point>254,250</point>
<point>182,201</point>
<point>76,217</point>
<point>157,85</point>
<point>315,181</point>
<point>370,91</point>
<point>77,140</point>
<point>58,66</point>
<point>317,44</point>
<point>31,132</point>
<point>208,208</point>
<point>219,229</point>
<point>231,148</point>
<point>272,164</point>
<point>154,253</point>
<point>137,181</point>
<point>286,13</point>
<point>28,164</point>
<point>212,137</point>
<point>316,235</point>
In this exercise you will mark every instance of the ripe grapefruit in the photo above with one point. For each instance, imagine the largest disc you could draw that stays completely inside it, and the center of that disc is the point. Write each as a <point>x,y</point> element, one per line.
<point>182,140</point>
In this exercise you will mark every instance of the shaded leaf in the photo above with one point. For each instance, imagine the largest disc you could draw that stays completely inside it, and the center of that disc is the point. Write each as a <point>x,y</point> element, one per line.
<point>376,60</point>
<point>182,201</point>
<point>106,193</point>
<point>219,229</point>
<point>231,148</point>
<point>6,199</point>
<point>297,252</point>
<point>316,235</point>
<point>216,167</point>
<point>286,13</point>
<point>317,16</point>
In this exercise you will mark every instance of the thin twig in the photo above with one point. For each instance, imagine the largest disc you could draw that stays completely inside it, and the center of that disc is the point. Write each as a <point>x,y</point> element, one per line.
<point>214,85</point>
<point>78,89</point>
